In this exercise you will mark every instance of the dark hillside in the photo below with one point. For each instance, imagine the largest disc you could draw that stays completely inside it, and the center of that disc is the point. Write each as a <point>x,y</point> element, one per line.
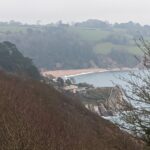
<point>35,116</point>
<point>12,61</point>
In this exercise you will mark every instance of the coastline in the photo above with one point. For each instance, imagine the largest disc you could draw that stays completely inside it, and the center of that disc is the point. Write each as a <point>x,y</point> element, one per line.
<point>77,72</point>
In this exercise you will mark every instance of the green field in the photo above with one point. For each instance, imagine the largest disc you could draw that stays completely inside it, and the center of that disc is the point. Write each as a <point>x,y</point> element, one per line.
<point>90,34</point>
<point>97,36</point>
<point>105,48</point>
<point>4,29</point>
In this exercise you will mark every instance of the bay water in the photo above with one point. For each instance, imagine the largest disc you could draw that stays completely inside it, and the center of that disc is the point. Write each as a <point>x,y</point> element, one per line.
<point>104,79</point>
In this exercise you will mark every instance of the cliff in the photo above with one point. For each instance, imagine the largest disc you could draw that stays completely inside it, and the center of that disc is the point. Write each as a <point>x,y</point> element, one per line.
<point>106,101</point>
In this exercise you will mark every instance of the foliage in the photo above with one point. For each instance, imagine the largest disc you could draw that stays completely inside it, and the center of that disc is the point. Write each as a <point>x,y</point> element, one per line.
<point>12,61</point>
<point>123,58</point>
<point>68,82</point>
<point>86,85</point>
<point>60,82</point>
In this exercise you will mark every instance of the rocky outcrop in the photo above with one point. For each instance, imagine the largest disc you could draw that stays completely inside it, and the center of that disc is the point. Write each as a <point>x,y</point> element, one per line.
<point>106,101</point>
<point>117,100</point>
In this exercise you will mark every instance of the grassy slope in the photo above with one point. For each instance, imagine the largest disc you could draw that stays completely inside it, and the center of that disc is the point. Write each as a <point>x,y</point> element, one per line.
<point>90,34</point>
<point>97,35</point>
<point>105,48</point>
<point>4,29</point>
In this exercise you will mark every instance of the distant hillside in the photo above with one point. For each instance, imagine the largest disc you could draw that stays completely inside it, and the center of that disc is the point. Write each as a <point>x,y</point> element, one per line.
<point>12,61</point>
<point>107,37</point>
<point>92,43</point>
<point>35,116</point>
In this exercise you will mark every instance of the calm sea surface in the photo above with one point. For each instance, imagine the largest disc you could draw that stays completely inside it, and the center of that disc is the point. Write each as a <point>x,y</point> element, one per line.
<point>105,79</point>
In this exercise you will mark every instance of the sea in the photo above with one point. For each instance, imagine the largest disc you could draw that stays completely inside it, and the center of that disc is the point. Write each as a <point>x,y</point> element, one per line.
<point>104,79</point>
<point>110,79</point>
<point>113,78</point>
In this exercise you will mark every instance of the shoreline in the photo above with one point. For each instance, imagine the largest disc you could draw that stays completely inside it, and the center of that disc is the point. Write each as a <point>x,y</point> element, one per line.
<point>78,72</point>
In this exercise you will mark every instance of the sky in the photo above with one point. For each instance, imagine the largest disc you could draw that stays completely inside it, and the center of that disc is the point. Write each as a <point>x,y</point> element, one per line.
<point>30,11</point>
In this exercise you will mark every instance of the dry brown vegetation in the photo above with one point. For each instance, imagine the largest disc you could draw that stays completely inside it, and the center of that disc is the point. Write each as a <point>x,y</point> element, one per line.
<point>33,116</point>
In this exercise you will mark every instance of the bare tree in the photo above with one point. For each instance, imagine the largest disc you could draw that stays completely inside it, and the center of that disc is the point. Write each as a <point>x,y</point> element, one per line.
<point>137,120</point>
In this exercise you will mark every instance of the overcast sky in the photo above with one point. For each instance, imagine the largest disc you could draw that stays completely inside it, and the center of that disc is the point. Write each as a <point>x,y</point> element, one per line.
<point>75,10</point>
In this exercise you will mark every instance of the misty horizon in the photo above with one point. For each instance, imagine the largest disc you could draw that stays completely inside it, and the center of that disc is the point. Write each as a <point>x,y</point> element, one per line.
<point>40,22</point>
<point>75,11</point>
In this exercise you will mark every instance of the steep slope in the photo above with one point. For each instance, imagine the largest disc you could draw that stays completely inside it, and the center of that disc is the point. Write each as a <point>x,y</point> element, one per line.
<point>12,61</point>
<point>35,116</point>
